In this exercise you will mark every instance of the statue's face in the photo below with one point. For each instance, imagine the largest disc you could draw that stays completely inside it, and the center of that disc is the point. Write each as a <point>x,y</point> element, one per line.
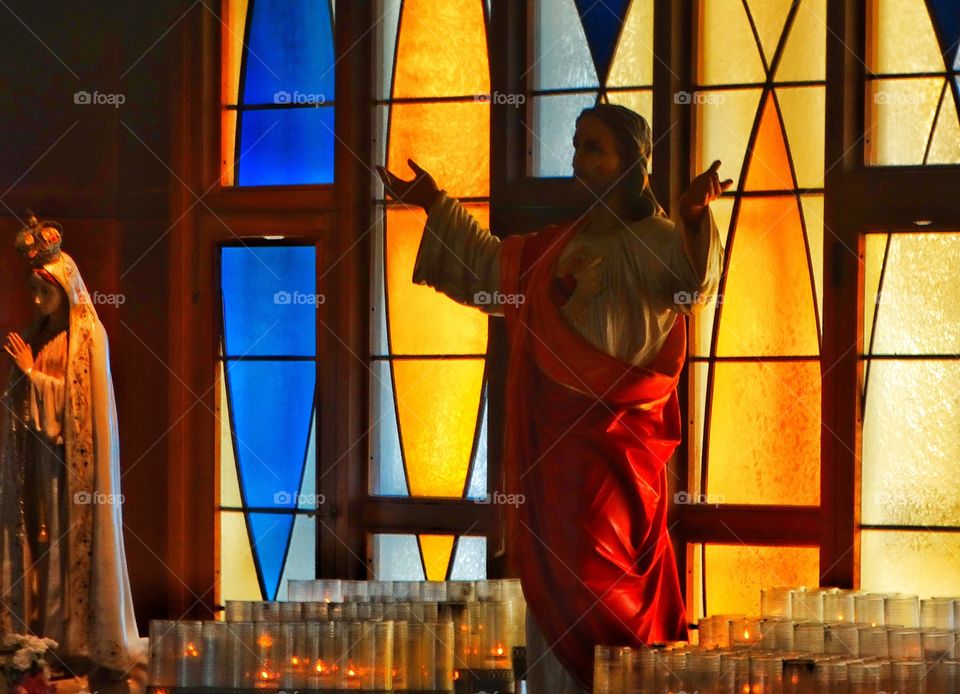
<point>596,161</point>
<point>47,297</point>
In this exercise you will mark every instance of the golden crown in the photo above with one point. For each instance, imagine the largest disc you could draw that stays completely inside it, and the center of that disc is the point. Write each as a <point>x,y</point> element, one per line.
<point>39,241</point>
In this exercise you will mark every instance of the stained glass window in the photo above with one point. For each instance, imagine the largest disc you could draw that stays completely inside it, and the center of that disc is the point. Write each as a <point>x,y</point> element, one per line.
<point>913,82</point>
<point>910,451</point>
<point>267,414</point>
<point>428,353</point>
<point>277,91</point>
<point>399,557</point>
<point>727,579</point>
<point>585,52</point>
<point>755,350</point>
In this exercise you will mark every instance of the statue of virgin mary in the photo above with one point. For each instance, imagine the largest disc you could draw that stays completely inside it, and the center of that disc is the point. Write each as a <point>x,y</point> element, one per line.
<point>63,573</point>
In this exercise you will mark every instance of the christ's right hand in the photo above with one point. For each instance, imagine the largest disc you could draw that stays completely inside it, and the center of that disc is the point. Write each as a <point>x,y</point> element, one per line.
<point>422,190</point>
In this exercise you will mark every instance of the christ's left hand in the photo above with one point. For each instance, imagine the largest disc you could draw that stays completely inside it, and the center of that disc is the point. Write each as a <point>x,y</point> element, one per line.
<point>703,190</point>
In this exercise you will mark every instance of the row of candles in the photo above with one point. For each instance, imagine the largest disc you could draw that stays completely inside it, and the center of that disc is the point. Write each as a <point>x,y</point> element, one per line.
<point>805,641</point>
<point>360,645</point>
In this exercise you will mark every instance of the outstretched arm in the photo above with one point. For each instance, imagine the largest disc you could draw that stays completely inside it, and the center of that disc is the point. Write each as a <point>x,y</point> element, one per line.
<point>456,255</point>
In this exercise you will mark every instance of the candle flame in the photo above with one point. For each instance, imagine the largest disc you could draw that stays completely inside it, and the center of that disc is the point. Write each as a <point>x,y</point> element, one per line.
<point>190,650</point>
<point>265,641</point>
<point>746,634</point>
<point>294,660</point>
<point>320,667</point>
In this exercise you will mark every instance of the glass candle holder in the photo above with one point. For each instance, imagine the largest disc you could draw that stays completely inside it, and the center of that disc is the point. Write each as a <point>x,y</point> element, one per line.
<point>808,637</point>
<point>266,611</point>
<point>766,673</point>
<point>702,671</point>
<point>775,602</point>
<point>300,590</point>
<point>905,643</point>
<point>326,666</point>
<point>745,631</point>
<point>901,610</point>
<point>777,634</point>
<point>908,676</point>
<point>641,677</point>
<point>163,653</point>
<point>868,609</point>
<point>238,611</point>
<point>461,591</point>
<point>832,676</point>
<point>314,612</point>
<point>734,672</point>
<point>874,642</point>
<point>328,590</point>
<point>842,640</point>
<point>611,667</point>
<point>839,606</point>
<point>937,613</point>
<point>865,677</point>
<point>290,611</point>
<point>267,649</point>
<point>806,606</point>
<point>444,645</point>
<point>189,645</point>
<point>937,644</point>
<point>214,654</point>
<point>241,659</point>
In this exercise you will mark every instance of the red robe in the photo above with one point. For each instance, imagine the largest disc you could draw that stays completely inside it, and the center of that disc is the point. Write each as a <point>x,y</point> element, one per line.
<point>587,441</point>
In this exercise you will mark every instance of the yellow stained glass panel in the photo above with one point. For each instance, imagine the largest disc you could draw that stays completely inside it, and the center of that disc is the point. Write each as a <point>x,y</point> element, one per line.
<point>900,115</point>
<point>633,62</point>
<point>238,574</point>
<point>437,550</point>
<point>804,110</point>
<point>722,210</point>
<point>918,563</point>
<point>728,50</point>
<point>442,50</point>
<point>805,55</point>
<point>900,38</point>
<point>421,319</point>
<point>910,448</point>
<point>451,140</point>
<point>769,165</point>
<point>438,405</point>
<point>735,574</point>
<point>776,459</point>
<point>724,122</point>
<point>945,148</point>
<point>919,307</point>
<point>768,297</point>
<point>226,456</point>
<point>769,18</point>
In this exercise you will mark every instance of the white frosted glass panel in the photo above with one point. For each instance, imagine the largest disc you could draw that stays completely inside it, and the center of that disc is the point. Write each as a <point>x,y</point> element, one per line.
<point>554,119</point>
<point>396,558</point>
<point>478,478</point>
<point>919,563</point>
<point>470,559</point>
<point>386,462</point>
<point>561,54</point>
<point>302,555</point>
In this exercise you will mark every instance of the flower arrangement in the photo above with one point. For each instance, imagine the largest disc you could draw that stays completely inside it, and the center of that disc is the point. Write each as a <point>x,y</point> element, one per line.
<point>27,671</point>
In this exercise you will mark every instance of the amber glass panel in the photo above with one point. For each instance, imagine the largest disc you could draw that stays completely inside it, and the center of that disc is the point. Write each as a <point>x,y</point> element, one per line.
<point>233,18</point>
<point>437,550</point>
<point>776,459</point>
<point>438,404</point>
<point>921,563</point>
<point>874,248</point>
<point>735,574</point>
<point>728,50</point>
<point>633,62</point>
<point>442,50</point>
<point>768,299</point>
<point>452,328</point>
<point>769,165</point>
<point>699,341</point>
<point>724,123</point>
<point>451,140</point>
<point>769,18</point>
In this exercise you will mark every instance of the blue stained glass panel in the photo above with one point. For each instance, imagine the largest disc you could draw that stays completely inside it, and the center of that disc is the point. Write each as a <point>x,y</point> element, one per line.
<point>602,21</point>
<point>271,535</point>
<point>290,49</point>
<point>269,300</point>
<point>272,407</point>
<point>290,146</point>
<point>946,18</point>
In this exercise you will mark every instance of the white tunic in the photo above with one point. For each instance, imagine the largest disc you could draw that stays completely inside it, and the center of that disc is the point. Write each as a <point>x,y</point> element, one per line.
<point>649,272</point>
